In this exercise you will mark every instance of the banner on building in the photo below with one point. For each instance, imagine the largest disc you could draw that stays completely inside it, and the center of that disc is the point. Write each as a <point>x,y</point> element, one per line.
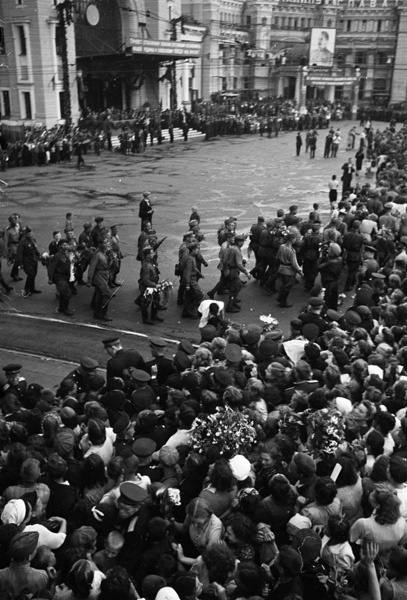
<point>322,47</point>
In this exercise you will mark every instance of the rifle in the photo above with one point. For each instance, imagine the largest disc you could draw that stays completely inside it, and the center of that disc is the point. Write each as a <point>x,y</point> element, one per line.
<point>112,295</point>
<point>156,246</point>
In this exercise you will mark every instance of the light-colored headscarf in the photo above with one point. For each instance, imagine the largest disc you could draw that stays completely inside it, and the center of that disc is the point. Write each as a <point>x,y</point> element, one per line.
<point>14,512</point>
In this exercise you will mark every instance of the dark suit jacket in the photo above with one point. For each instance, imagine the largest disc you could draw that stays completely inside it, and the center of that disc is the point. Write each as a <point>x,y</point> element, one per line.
<point>124,359</point>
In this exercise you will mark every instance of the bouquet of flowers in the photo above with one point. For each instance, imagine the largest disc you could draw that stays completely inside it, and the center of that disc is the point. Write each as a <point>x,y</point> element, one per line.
<point>232,431</point>
<point>290,423</point>
<point>158,295</point>
<point>269,323</point>
<point>326,430</point>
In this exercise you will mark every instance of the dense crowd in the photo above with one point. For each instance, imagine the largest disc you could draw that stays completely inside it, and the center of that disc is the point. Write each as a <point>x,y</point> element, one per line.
<point>256,465</point>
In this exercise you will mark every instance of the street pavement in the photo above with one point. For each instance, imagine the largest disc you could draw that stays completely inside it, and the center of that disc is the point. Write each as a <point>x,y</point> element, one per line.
<point>241,177</point>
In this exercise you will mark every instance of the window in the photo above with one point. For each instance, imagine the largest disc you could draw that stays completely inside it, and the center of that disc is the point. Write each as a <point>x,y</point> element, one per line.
<point>379,25</point>
<point>381,58</point>
<point>234,83</point>
<point>62,105</point>
<point>27,105</point>
<point>348,25</point>
<point>264,21</point>
<point>224,84</point>
<point>22,41</point>
<point>58,40</point>
<point>2,41</point>
<point>5,107</point>
<point>303,23</point>
<point>360,57</point>
<point>246,83</point>
<point>363,25</point>
<point>379,86</point>
<point>248,21</point>
<point>20,2</point>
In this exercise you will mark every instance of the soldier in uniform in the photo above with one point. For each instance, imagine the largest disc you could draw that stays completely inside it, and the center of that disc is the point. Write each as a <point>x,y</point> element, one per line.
<point>160,367</point>
<point>82,374</point>
<point>235,265</point>
<point>12,236</point>
<point>98,277</point>
<point>149,278</point>
<point>143,448</point>
<point>121,360</point>
<point>60,272</point>
<point>99,232</point>
<point>288,268</point>
<point>146,211</point>
<point>116,255</point>
<point>28,256</point>
<point>85,245</point>
<point>15,384</point>
<point>190,277</point>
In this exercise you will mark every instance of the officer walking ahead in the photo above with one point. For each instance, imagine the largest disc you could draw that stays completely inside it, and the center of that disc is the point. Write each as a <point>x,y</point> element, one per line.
<point>235,266</point>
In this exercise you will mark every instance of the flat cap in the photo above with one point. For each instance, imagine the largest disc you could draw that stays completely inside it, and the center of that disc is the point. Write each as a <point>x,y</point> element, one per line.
<point>353,318</point>
<point>240,237</point>
<point>182,361</point>
<point>64,442</point>
<point>12,369</point>
<point>333,315</point>
<point>222,378</point>
<point>111,342</point>
<point>89,364</point>
<point>142,398</point>
<point>388,205</point>
<point>251,334</point>
<point>140,375</point>
<point>131,493</point>
<point>147,193</point>
<point>23,544</point>
<point>157,341</point>
<point>275,335</point>
<point>83,536</point>
<point>169,456</point>
<point>310,331</point>
<point>99,219</point>
<point>370,248</point>
<point>186,346</point>
<point>315,301</point>
<point>144,447</point>
<point>122,423</point>
<point>268,348</point>
<point>208,333</point>
<point>233,353</point>
<point>378,276</point>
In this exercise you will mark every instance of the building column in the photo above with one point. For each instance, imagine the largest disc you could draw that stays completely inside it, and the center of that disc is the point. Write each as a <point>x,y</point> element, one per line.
<point>399,82</point>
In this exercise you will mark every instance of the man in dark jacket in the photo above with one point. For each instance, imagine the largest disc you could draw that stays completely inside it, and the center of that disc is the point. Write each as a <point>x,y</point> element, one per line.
<point>59,272</point>
<point>27,257</point>
<point>353,246</point>
<point>330,272</point>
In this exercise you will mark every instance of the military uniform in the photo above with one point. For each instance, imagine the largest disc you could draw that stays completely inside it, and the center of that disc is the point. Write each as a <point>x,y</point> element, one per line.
<point>98,277</point>
<point>60,273</point>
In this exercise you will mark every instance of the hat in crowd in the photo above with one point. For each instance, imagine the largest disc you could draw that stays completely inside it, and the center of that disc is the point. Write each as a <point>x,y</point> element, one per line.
<point>240,467</point>
<point>122,423</point>
<point>240,237</point>
<point>158,342</point>
<point>144,447</point>
<point>186,346</point>
<point>182,360</point>
<point>56,465</point>
<point>251,334</point>
<point>192,246</point>
<point>12,369</point>
<point>344,405</point>
<point>310,331</point>
<point>316,302</point>
<point>268,348</point>
<point>141,399</point>
<point>364,296</point>
<point>370,248</point>
<point>208,333</point>
<point>83,536</point>
<point>89,364</point>
<point>275,335</point>
<point>378,276</point>
<point>146,194</point>
<point>222,378</point>
<point>300,521</point>
<point>113,341</point>
<point>353,318</point>
<point>30,470</point>
<point>308,544</point>
<point>14,512</point>
<point>388,205</point>
<point>64,442</point>
<point>296,324</point>
<point>335,249</point>
<point>188,234</point>
<point>169,456</point>
<point>233,353</point>
<point>167,593</point>
<point>305,464</point>
<point>23,544</point>
<point>131,493</point>
<point>99,219</point>
<point>333,315</point>
<point>140,375</point>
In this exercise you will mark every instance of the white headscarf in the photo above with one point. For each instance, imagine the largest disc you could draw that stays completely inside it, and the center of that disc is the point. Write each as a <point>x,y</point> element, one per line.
<point>14,512</point>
